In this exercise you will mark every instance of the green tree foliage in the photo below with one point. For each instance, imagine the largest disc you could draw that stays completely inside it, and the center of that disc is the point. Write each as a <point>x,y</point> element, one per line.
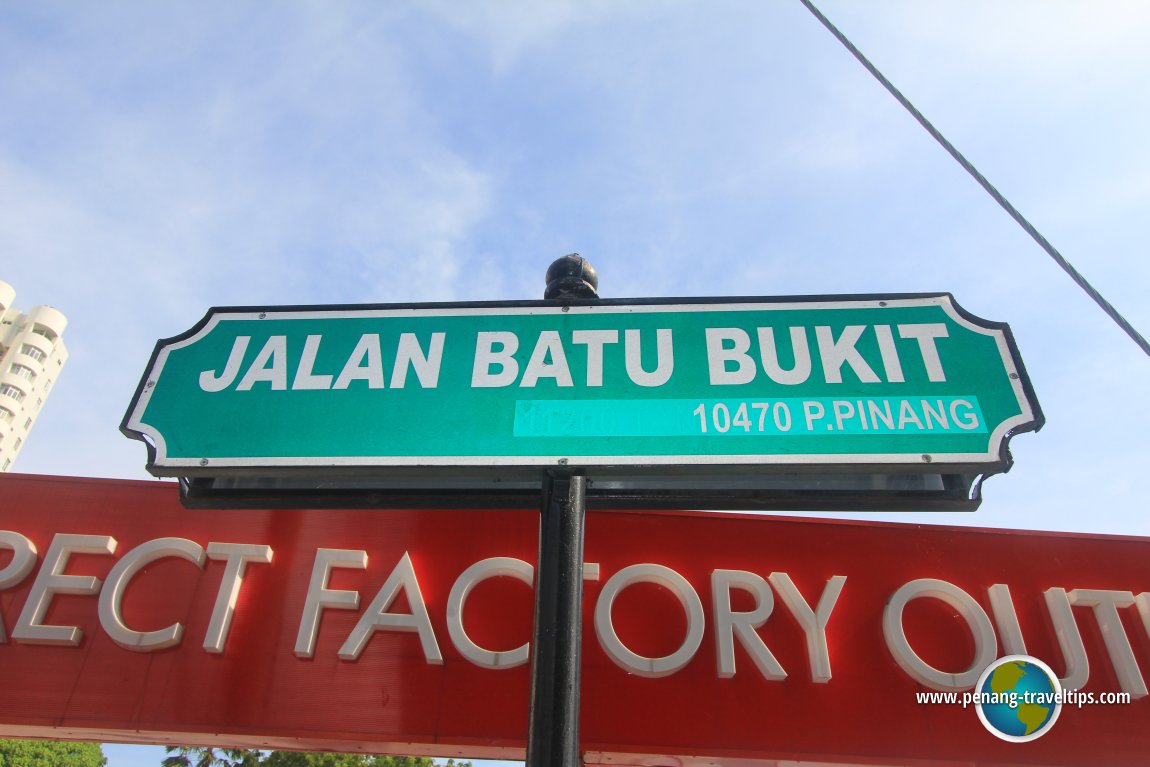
<point>305,759</point>
<point>50,753</point>
<point>189,756</point>
<point>205,756</point>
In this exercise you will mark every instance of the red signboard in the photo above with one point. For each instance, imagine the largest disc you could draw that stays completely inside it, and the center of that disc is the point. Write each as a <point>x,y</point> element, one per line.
<point>708,638</point>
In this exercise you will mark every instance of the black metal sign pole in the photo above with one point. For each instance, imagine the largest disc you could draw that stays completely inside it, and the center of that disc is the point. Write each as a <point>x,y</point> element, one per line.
<point>556,649</point>
<point>553,732</point>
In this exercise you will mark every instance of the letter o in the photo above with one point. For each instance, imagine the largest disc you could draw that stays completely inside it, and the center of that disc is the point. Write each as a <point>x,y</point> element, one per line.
<point>981,629</point>
<point>633,662</point>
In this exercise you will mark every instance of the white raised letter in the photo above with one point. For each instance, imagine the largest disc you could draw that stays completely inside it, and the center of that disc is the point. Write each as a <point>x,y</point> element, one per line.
<point>614,647</point>
<point>51,580</point>
<point>1009,632</point>
<point>112,595</point>
<point>376,618</point>
<point>237,556</point>
<point>319,596</point>
<point>1106,604</point>
<point>467,580</point>
<point>1142,601</point>
<point>1069,639</point>
<point>728,623</point>
<point>812,622</point>
<point>985,643</point>
<point>23,560</point>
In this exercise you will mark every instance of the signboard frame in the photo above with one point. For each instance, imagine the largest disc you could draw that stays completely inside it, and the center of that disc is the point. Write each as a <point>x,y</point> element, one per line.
<point>766,482</point>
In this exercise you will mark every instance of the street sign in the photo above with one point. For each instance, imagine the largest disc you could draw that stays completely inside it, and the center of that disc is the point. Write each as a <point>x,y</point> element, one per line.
<point>495,392</point>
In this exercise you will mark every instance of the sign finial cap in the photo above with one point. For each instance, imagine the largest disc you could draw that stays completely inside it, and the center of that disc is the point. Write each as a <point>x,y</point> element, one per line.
<point>572,276</point>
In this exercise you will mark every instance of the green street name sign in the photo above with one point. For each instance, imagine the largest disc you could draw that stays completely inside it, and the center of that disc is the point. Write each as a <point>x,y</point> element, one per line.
<point>763,385</point>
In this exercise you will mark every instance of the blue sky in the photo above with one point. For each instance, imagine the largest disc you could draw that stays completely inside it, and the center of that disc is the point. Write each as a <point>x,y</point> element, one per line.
<point>160,158</point>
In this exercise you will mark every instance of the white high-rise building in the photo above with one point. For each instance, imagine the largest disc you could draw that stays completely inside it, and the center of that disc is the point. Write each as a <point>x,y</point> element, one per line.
<point>32,353</point>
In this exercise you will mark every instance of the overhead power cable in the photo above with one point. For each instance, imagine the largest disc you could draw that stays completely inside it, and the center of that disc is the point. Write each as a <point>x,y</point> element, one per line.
<point>981,179</point>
